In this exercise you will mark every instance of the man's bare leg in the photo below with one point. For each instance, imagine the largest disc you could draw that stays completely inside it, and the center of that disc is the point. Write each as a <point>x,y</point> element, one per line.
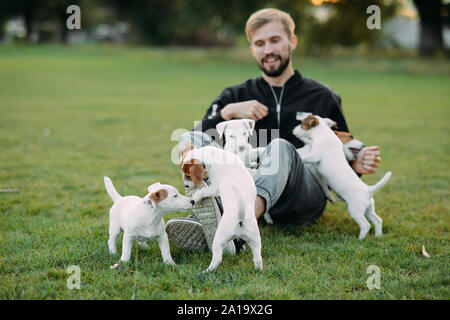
<point>260,206</point>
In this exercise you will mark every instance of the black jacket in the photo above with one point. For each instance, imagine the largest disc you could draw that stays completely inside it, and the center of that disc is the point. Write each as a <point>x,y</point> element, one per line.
<point>301,94</point>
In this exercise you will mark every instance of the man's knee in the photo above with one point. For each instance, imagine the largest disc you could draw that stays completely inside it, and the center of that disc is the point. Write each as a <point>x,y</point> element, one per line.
<point>283,147</point>
<point>277,158</point>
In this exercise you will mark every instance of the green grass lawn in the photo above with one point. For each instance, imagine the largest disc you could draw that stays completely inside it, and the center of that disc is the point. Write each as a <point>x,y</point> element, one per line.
<point>70,115</point>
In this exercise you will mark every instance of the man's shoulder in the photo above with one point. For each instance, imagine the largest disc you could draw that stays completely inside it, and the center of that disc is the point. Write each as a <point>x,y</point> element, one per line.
<point>315,85</point>
<point>244,85</point>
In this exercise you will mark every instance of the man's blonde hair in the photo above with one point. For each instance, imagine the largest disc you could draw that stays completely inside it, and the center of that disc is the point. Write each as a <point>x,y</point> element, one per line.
<point>264,16</point>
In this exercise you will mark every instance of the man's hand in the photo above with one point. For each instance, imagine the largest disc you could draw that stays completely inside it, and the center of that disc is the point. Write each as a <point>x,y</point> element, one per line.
<point>251,109</point>
<point>367,161</point>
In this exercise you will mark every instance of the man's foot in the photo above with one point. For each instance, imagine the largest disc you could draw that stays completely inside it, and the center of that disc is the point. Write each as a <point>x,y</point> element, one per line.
<point>186,233</point>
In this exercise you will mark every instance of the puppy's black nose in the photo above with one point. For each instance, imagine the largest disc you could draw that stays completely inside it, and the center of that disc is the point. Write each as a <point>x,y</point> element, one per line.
<point>192,202</point>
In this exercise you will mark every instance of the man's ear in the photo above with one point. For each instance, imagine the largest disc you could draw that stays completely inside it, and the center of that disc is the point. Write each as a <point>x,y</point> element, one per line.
<point>250,124</point>
<point>159,195</point>
<point>330,123</point>
<point>293,42</point>
<point>220,127</point>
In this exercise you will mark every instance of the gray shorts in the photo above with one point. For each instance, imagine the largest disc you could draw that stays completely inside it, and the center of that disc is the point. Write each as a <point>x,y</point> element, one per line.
<point>292,193</point>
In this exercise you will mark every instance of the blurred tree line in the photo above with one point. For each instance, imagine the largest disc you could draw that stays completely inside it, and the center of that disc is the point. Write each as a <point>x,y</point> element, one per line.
<point>222,22</point>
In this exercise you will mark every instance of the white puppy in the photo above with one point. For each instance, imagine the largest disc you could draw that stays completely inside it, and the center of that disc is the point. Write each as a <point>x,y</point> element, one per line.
<point>351,145</point>
<point>233,183</point>
<point>324,148</point>
<point>142,218</point>
<point>237,133</point>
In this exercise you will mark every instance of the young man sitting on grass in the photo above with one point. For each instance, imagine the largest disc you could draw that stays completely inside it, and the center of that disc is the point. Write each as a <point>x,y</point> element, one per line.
<point>291,193</point>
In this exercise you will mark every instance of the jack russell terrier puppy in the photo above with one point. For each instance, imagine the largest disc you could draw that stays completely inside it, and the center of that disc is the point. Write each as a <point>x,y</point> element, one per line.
<point>324,148</point>
<point>351,145</point>
<point>237,132</point>
<point>233,183</point>
<point>142,218</point>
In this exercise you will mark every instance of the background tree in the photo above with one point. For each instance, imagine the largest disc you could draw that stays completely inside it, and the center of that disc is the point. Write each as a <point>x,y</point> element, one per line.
<point>346,25</point>
<point>431,13</point>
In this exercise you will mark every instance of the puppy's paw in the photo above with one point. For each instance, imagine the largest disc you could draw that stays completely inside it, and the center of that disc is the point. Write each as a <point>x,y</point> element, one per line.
<point>113,267</point>
<point>170,262</point>
<point>120,266</point>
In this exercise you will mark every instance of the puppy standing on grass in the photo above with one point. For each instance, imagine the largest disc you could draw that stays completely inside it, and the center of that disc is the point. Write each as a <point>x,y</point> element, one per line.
<point>142,218</point>
<point>233,183</point>
<point>324,148</point>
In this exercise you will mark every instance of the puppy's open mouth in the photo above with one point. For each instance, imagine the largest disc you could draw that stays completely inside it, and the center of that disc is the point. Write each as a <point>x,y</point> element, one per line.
<point>355,151</point>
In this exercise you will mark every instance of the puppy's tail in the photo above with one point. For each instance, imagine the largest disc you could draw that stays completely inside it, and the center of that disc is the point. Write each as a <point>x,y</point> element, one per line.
<point>111,190</point>
<point>380,184</point>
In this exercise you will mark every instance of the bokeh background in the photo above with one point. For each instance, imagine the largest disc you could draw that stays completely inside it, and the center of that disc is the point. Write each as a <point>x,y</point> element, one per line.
<point>322,25</point>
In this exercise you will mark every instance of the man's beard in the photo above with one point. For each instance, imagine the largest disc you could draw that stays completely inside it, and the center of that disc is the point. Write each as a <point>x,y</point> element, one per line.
<point>279,70</point>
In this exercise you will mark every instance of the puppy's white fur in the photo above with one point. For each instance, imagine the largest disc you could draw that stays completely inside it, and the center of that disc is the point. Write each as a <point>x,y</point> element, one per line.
<point>233,183</point>
<point>237,133</point>
<point>142,218</point>
<point>324,148</point>
<point>351,146</point>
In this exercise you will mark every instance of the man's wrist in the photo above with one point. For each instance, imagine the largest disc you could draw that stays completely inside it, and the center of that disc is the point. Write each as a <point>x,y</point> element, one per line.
<point>354,166</point>
<point>226,113</point>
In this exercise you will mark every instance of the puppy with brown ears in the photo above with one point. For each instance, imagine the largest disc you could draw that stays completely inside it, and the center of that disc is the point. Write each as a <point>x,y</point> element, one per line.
<point>324,148</point>
<point>233,183</point>
<point>141,219</point>
<point>351,145</point>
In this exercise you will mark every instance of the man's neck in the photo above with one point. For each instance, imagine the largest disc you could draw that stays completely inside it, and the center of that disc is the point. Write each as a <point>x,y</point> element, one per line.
<point>281,79</point>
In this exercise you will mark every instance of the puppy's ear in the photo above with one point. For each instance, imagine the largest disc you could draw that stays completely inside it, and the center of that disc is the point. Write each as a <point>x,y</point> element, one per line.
<point>250,124</point>
<point>220,127</point>
<point>159,195</point>
<point>302,115</point>
<point>185,168</point>
<point>309,122</point>
<point>344,136</point>
<point>152,186</point>
<point>187,148</point>
<point>330,123</point>
<point>196,172</point>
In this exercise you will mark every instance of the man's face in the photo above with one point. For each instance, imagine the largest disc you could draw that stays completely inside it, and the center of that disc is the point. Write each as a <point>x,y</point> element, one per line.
<point>272,48</point>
